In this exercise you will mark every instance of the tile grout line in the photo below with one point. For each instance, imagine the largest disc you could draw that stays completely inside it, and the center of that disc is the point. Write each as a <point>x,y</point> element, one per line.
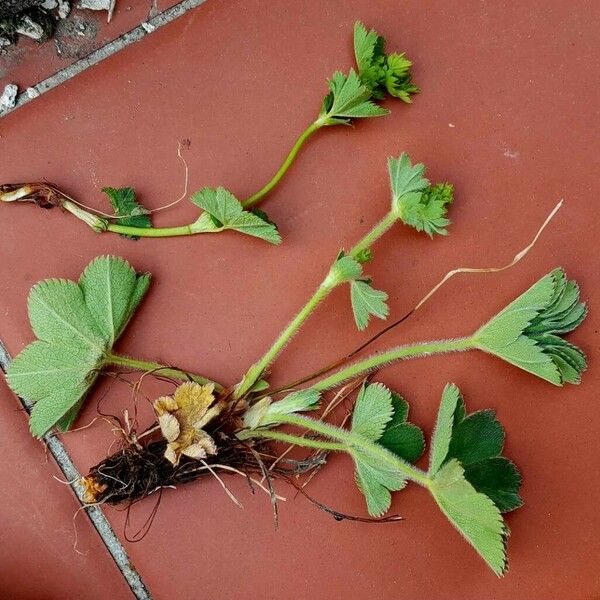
<point>94,513</point>
<point>98,55</point>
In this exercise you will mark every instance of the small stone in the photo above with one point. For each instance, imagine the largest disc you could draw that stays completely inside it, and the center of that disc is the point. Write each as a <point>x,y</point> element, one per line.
<point>30,28</point>
<point>49,4</point>
<point>9,97</point>
<point>32,92</point>
<point>64,8</point>
<point>108,5</point>
<point>148,27</point>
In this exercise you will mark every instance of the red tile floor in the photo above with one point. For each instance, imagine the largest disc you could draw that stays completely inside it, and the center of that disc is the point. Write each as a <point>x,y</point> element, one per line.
<point>508,113</point>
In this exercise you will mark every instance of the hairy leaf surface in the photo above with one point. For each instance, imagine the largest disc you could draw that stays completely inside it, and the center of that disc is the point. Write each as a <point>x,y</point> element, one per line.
<point>367,301</point>
<point>125,206</point>
<point>76,324</point>
<point>224,211</point>
<point>379,416</point>
<point>527,332</point>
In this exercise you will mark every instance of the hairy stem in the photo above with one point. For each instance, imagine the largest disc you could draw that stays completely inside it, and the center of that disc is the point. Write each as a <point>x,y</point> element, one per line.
<point>325,288</point>
<point>368,240</point>
<point>287,163</point>
<point>399,353</point>
<point>256,370</point>
<point>143,365</point>
<point>295,439</point>
<point>349,441</point>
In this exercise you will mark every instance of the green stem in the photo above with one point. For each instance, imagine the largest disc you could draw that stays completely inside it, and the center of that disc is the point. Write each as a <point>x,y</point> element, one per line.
<point>325,288</point>
<point>399,353</point>
<point>143,365</point>
<point>352,440</point>
<point>368,240</point>
<point>295,440</point>
<point>256,370</point>
<point>287,163</point>
<point>152,231</point>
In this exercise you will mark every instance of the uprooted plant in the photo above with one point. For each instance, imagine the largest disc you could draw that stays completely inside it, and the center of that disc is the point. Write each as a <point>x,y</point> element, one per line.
<point>206,427</point>
<point>352,96</point>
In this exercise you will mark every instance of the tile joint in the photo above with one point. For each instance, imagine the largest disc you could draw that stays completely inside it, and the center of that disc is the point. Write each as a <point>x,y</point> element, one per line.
<point>134,35</point>
<point>94,513</point>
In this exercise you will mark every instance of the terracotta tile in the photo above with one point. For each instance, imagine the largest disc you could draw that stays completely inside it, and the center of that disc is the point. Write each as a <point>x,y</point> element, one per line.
<point>518,85</point>
<point>38,554</point>
<point>28,62</point>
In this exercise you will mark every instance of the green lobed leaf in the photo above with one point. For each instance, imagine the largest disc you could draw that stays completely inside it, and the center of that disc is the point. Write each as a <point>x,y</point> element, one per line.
<point>365,43</point>
<point>401,438</point>
<point>426,211</point>
<point>405,178</point>
<point>380,416</point>
<point>476,437</point>
<point>125,206</point>
<point>76,324</point>
<point>367,301</point>
<point>476,441</point>
<point>398,78</point>
<point>473,514</point>
<point>376,482</point>
<point>499,479</point>
<point>224,211</point>
<point>526,332</point>
<point>348,99</point>
<point>58,313</point>
<point>372,411</point>
<point>112,291</point>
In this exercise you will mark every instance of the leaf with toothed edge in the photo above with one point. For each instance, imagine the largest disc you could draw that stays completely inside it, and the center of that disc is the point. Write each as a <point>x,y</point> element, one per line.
<point>473,514</point>
<point>400,437</point>
<point>527,332</point>
<point>348,99</point>
<point>379,71</point>
<point>470,480</point>
<point>367,301</point>
<point>224,211</point>
<point>377,416</point>
<point>76,324</point>
<point>416,202</point>
<point>130,212</point>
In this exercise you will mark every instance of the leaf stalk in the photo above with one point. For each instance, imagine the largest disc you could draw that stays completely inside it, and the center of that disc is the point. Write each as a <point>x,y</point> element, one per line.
<point>167,371</point>
<point>399,353</point>
<point>349,441</point>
